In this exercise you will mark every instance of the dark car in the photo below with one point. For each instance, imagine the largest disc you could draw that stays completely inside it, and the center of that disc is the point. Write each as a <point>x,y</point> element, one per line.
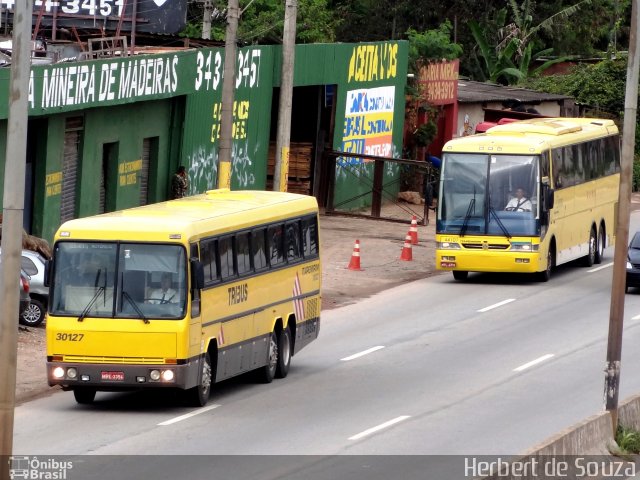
<point>633,263</point>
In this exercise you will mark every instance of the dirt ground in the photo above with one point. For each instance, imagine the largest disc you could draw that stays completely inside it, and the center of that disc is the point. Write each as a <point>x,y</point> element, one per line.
<point>381,244</point>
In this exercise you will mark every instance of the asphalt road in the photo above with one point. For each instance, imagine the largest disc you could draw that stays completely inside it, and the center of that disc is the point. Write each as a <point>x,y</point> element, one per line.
<point>492,366</point>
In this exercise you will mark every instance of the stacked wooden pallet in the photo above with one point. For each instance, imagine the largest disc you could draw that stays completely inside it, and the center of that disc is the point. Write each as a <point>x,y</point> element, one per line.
<point>300,154</point>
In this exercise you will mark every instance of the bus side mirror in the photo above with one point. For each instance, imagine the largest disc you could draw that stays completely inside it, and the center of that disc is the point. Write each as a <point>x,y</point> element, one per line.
<point>197,274</point>
<point>550,198</point>
<point>47,273</point>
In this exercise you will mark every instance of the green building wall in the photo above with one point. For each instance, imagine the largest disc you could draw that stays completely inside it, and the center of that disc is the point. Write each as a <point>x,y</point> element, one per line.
<point>175,98</point>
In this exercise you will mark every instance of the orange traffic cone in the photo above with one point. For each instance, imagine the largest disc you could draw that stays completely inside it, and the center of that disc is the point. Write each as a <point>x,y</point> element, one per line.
<point>354,263</point>
<point>413,230</point>
<point>406,249</point>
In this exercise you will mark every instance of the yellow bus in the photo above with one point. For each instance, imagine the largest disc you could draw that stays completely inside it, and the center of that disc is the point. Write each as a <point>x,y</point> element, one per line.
<point>184,293</point>
<point>527,196</point>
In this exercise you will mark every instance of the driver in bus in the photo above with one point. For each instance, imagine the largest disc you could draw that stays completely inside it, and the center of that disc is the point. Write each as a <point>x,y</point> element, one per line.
<point>519,203</point>
<point>164,294</point>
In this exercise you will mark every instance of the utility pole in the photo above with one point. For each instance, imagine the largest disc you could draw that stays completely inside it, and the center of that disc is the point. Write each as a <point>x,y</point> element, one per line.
<point>616,315</point>
<point>206,19</point>
<point>226,110</point>
<point>12,212</point>
<point>283,136</point>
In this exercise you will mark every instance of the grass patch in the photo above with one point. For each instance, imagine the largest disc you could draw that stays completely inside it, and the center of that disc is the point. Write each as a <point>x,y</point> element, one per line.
<point>628,439</point>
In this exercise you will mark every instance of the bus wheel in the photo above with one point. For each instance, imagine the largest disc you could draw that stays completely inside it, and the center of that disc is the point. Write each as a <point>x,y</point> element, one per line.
<point>460,275</point>
<point>268,372</point>
<point>84,396</point>
<point>591,256</point>
<point>284,350</point>
<point>545,275</point>
<point>199,396</point>
<point>602,240</point>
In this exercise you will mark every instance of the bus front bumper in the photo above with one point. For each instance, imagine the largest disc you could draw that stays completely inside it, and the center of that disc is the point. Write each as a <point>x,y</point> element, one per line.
<point>114,377</point>
<point>487,261</point>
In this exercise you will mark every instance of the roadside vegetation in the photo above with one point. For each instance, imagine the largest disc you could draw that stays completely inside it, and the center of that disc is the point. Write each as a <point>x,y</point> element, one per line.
<point>628,440</point>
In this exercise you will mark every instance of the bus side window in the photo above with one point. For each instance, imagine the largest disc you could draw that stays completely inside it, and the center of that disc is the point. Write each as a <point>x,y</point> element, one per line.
<point>243,257</point>
<point>293,241</point>
<point>258,249</point>
<point>275,238</point>
<point>310,236</point>
<point>225,251</point>
<point>209,262</point>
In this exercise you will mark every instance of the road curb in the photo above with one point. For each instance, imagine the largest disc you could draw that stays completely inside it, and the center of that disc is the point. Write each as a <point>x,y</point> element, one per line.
<point>590,438</point>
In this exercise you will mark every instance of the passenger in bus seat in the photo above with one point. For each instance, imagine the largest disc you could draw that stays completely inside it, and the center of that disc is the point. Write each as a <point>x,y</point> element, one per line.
<point>164,294</point>
<point>519,203</point>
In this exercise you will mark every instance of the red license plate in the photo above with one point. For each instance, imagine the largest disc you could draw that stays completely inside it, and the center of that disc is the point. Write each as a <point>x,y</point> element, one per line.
<point>113,376</point>
<point>448,264</point>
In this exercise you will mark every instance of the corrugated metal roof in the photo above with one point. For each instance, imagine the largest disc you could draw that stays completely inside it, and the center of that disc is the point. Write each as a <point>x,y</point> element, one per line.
<point>478,92</point>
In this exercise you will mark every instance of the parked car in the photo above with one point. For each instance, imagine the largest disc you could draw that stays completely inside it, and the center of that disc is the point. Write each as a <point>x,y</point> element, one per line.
<point>25,299</point>
<point>633,263</point>
<point>33,263</point>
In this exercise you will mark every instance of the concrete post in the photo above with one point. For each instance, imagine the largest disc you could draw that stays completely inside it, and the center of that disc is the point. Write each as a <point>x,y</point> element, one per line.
<point>616,313</point>
<point>13,206</point>
<point>206,19</point>
<point>226,110</point>
<point>283,136</point>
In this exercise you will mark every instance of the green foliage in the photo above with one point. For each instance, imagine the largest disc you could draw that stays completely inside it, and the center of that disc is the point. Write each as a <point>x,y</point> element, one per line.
<point>507,54</point>
<point>433,44</point>
<point>262,22</point>
<point>628,440</point>
<point>600,85</point>
<point>192,30</point>
<point>635,186</point>
<point>425,133</point>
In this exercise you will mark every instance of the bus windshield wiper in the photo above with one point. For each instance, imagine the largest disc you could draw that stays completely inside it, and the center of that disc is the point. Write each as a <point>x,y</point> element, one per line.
<point>499,222</point>
<point>85,312</point>
<point>465,223</point>
<point>126,295</point>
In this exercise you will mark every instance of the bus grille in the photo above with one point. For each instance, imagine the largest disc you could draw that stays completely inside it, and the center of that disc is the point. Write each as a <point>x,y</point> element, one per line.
<point>490,246</point>
<point>115,360</point>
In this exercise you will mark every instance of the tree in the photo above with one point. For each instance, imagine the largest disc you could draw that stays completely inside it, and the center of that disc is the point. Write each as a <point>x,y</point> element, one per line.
<point>262,22</point>
<point>507,56</point>
<point>433,44</point>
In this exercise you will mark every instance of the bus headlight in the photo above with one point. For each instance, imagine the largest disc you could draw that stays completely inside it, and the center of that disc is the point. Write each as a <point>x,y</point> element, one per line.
<point>168,375</point>
<point>629,266</point>
<point>58,372</point>
<point>524,247</point>
<point>72,372</point>
<point>154,375</point>
<point>447,246</point>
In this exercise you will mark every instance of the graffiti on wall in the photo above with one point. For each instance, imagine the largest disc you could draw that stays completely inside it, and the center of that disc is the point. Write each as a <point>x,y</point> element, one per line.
<point>203,170</point>
<point>242,164</point>
<point>368,123</point>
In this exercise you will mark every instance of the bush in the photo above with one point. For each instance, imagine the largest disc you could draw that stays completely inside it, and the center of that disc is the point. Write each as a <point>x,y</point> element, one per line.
<point>628,440</point>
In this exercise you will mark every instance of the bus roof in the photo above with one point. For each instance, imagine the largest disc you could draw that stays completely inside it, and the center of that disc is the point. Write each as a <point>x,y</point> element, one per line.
<point>213,212</point>
<point>532,136</point>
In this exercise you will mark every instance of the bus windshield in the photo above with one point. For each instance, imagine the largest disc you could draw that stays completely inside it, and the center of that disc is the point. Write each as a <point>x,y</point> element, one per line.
<point>489,194</point>
<point>119,280</point>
